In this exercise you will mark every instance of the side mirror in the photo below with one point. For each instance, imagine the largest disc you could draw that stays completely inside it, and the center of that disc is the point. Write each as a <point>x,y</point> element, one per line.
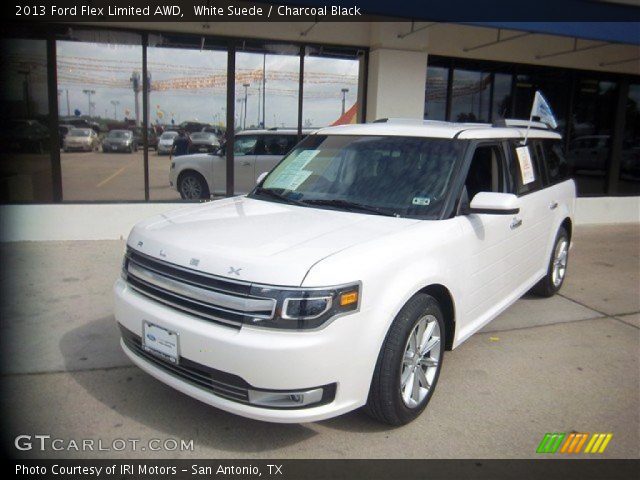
<point>221,151</point>
<point>261,177</point>
<point>494,203</point>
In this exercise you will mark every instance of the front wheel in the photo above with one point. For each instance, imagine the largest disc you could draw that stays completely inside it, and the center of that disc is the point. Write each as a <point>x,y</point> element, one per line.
<point>551,283</point>
<point>409,363</point>
<point>193,186</point>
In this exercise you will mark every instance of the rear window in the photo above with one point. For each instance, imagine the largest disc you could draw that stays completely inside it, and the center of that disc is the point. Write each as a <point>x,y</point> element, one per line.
<point>76,132</point>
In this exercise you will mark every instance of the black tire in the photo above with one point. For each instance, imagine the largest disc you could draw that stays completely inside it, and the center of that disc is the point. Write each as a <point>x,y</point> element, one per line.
<point>547,287</point>
<point>193,186</point>
<point>385,403</point>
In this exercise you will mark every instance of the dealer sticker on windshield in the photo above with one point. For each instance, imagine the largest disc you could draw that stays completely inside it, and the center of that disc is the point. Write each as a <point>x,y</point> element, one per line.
<point>293,175</point>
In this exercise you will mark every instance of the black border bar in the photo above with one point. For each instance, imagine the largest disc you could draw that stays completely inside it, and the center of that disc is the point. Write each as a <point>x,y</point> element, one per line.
<point>546,469</point>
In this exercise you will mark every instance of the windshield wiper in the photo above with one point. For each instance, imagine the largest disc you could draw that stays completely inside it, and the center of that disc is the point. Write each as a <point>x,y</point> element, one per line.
<point>273,194</point>
<point>351,206</point>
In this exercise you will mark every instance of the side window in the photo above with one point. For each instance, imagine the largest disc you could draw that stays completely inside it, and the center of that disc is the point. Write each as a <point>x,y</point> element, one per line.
<point>486,173</point>
<point>277,145</point>
<point>557,166</point>
<point>245,145</point>
<point>523,188</point>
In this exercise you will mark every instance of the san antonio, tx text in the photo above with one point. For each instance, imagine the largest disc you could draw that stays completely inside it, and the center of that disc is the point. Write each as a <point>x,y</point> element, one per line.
<point>119,469</point>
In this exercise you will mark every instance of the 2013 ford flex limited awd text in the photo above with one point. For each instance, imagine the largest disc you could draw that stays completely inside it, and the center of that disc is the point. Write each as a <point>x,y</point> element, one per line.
<point>340,280</point>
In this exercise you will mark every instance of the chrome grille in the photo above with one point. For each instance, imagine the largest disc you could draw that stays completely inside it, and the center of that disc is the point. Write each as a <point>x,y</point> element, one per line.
<point>193,292</point>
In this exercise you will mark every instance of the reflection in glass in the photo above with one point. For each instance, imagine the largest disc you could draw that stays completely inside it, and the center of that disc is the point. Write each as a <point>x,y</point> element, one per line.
<point>589,131</point>
<point>470,96</point>
<point>330,91</point>
<point>501,106</point>
<point>100,88</point>
<point>629,180</point>
<point>435,107</point>
<point>188,91</point>
<point>25,165</point>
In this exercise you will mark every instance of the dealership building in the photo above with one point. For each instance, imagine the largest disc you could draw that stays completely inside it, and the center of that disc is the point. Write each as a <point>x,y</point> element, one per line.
<point>296,76</point>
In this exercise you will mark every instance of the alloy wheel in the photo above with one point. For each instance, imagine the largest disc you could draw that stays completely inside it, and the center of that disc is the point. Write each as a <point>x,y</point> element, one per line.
<point>191,187</point>
<point>420,362</point>
<point>560,262</point>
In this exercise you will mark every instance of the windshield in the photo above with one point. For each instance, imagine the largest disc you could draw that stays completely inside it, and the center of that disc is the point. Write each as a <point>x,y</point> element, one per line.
<point>79,133</point>
<point>399,176</point>
<point>119,134</point>
<point>169,135</point>
<point>201,136</point>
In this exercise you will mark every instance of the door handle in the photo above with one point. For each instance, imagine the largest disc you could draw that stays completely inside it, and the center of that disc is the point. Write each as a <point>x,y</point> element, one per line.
<point>515,223</point>
<point>553,205</point>
<point>246,164</point>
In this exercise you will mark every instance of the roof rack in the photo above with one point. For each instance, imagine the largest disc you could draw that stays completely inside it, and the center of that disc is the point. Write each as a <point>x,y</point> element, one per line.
<point>519,123</point>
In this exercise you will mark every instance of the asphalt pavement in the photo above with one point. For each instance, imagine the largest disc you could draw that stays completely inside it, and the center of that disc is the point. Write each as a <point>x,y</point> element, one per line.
<point>569,363</point>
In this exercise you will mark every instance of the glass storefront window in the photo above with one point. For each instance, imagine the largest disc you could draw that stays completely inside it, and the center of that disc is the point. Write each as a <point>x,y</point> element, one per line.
<point>188,92</point>
<point>501,101</point>
<point>589,134</point>
<point>629,180</point>
<point>25,167</point>
<point>267,88</point>
<point>330,93</point>
<point>435,107</point>
<point>470,96</point>
<point>100,87</point>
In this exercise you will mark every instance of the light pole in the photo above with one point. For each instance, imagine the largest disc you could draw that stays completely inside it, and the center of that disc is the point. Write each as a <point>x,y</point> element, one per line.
<point>88,93</point>
<point>344,96</point>
<point>115,104</point>
<point>244,120</point>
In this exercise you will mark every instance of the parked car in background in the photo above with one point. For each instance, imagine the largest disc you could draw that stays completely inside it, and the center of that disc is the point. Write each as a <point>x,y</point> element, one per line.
<point>63,130</point>
<point>152,138</point>
<point>81,139</point>
<point>255,151</point>
<point>204,142</point>
<point>342,278</point>
<point>119,141</point>
<point>589,153</point>
<point>165,142</point>
<point>82,123</point>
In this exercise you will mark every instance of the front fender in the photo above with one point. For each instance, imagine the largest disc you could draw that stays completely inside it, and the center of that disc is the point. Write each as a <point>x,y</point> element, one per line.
<point>201,163</point>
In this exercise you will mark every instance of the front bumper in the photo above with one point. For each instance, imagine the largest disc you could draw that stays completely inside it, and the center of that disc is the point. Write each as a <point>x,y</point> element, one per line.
<point>116,147</point>
<point>78,147</point>
<point>338,354</point>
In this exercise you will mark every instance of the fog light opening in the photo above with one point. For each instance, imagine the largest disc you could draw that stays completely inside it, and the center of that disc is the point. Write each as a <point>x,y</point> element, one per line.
<point>285,399</point>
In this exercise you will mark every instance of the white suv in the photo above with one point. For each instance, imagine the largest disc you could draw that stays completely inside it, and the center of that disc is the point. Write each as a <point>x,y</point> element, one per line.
<point>339,281</point>
<point>199,176</point>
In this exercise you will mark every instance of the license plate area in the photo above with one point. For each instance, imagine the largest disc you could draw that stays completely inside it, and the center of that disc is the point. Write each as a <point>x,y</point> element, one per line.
<point>160,342</point>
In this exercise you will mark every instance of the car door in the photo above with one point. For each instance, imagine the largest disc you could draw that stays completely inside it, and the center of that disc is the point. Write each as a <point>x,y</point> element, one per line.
<point>274,148</point>
<point>244,158</point>
<point>535,216</point>
<point>490,251</point>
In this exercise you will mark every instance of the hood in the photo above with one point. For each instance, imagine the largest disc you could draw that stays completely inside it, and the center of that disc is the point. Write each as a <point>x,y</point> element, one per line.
<point>166,141</point>
<point>267,242</point>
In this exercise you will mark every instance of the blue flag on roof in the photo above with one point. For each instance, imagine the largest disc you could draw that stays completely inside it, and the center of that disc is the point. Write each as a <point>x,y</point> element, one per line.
<point>542,110</point>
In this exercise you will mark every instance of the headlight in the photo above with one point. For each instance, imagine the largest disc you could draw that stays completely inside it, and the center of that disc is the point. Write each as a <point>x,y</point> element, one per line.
<point>304,309</point>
